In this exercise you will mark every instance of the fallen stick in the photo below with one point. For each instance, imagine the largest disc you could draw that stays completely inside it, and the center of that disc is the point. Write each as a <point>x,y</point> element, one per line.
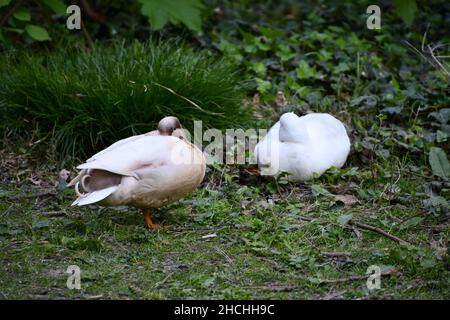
<point>355,278</point>
<point>54,213</point>
<point>363,226</point>
<point>274,264</point>
<point>223,253</point>
<point>377,230</point>
<point>158,284</point>
<point>274,288</point>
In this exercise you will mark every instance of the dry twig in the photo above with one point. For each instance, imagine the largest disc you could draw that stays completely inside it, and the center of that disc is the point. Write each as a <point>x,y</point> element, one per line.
<point>428,53</point>
<point>377,230</point>
<point>356,278</point>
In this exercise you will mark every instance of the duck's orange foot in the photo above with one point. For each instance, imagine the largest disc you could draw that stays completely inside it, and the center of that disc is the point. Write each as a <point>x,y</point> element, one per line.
<point>148,220</point>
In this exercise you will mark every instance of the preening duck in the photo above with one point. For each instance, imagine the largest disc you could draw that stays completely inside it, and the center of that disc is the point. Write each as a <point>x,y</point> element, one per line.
<point>302,146</point>
<point>147,171</point>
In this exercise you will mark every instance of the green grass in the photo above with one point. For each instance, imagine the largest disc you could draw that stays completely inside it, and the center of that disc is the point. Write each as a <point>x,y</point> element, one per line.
<point>84,100</point>
<point>269,244</point>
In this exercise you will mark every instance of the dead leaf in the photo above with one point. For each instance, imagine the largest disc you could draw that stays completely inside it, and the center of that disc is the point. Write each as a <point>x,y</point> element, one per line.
<point>36,181</point>
<point>440,248</point>
<point>280,99</point>
<point>256,100</point>
<point>348,200</point>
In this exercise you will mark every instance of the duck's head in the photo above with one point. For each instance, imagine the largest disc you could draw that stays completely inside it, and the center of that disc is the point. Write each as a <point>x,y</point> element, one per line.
<point>168,125</point>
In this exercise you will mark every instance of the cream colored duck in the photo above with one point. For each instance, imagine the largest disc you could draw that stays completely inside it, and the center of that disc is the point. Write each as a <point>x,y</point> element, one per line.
<point>145,171</point>
<point>302,146</point>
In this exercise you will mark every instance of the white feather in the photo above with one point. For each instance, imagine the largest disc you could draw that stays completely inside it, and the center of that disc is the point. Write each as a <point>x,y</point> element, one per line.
<point>303,146</point>
<point>94,196</point>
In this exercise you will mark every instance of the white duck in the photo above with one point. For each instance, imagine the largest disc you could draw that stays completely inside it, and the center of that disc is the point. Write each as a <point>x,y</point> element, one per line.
<point>302,146</point>
<point>145,171</point>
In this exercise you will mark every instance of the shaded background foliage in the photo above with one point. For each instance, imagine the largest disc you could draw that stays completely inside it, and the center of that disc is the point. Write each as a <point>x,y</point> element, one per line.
<point>383,83</point>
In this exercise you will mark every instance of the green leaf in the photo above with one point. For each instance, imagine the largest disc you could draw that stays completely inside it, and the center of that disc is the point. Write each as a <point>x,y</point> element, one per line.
<point>159,12</point>
<point>437,201</point>
<point>443,115</point>
<point>344,219</point>
<point>428,263</point>
<point>4,3</point>
<point>56,5</point>
<point>40,223</point>
<point>22,14</point>
<point>441,136</point>
<point>37,33</point>
<point>325,55</point>
<point>262,85</point>
<point>341,67</point>
<point>406,10</point>
<point>284,53</point>
<point>439,162</point>
<point>208,283</point>
<point>304,71</point>
<point>271,33</point>
<point>259,68</point>
<point>318,190</point>
<point>411,223</point>
<point>340,43</point>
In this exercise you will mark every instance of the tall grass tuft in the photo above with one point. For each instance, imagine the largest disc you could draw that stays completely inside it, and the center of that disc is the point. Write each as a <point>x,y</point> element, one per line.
<point>84,101</point>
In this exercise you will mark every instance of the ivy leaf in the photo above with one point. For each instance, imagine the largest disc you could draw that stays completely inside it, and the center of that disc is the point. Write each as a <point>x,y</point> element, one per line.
<point>37,33</point>
<point>406,10</point>
<point>40,223</point>
<point>284,53</point>
<point>411,223</point>
<point>22,15</point>
<point>344,219</point>
<point>318,190</point>
<point>159,12</point>
<point>441,136</point>
<point>56,5</point>
<point>259,68</point>
<point>439,162</point>
<point>4,3</point>
<point>271,33</point>
<point>437,201</point>
<point>442,115</point>
<point>304,71</point>
<point>262,85</point>
<point>341,67</point>
<point>428,263</point>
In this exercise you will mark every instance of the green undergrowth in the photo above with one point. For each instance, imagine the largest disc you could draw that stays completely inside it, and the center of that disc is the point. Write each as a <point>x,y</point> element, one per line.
<point>236,237</point>
<point>83,100</point>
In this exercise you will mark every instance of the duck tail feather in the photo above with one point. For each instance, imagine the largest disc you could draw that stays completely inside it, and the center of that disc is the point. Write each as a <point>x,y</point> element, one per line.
<point>94,196</point>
